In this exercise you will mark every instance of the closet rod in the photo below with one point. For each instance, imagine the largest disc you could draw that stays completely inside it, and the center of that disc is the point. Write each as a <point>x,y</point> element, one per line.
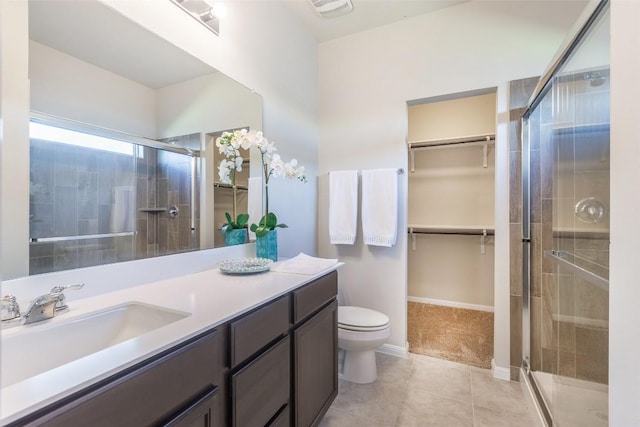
<point>238,187</point>
<point>484,232</point>
<point>452,141</point>
<point>400,171</point>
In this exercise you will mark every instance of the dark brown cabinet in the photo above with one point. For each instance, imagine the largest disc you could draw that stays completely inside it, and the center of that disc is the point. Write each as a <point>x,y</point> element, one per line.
<point>316,366</point>
<point>274,366</point>
<point>201,413</point>
<point>315,349</point>
<point>147,394</point>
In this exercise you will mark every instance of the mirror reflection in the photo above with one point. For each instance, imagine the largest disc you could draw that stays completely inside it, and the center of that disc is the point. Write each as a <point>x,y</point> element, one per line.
<point>122,141</point>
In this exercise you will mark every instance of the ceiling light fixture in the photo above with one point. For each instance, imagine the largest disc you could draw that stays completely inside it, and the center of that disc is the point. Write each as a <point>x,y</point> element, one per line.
<point>202,12</point>
<point>332,8</point>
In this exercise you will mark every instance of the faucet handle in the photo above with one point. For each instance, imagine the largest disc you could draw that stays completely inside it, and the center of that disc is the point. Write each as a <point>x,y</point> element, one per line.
<point>61,304</point>
<point>59,289</point>
<point>10,308</point>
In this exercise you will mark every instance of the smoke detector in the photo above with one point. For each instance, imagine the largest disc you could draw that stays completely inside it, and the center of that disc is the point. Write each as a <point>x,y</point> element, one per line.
<point>331,8</point>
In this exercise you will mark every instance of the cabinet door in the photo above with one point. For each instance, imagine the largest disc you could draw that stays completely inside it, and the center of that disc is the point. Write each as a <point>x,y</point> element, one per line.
<point>315,348</point>
<point>200,413</point>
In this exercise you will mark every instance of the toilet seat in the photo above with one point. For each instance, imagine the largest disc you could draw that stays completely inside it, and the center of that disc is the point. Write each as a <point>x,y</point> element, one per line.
<point>361,319</point>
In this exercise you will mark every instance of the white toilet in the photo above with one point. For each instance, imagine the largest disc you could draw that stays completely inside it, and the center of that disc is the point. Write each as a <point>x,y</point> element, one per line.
<point>360,332</point>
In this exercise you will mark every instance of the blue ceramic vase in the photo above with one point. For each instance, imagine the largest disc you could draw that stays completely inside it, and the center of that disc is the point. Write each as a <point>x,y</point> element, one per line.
<point>267,246</point>
<point>236,236</point>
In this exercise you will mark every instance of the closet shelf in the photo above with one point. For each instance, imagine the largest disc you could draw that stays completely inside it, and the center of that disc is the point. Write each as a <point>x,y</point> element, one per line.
<point>588,270</point>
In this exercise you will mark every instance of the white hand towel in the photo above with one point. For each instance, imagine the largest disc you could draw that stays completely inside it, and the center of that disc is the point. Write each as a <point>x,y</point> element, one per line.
<point>304,264</point>
<point>380,206</point>
<point>343,207</point>
<point>254,203</point>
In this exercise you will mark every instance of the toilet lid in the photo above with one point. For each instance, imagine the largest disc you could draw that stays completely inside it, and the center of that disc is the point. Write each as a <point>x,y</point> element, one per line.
<point>361,319</point>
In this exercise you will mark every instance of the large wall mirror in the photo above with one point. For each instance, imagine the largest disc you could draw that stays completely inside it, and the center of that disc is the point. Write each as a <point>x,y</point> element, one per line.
<point>122,140</point>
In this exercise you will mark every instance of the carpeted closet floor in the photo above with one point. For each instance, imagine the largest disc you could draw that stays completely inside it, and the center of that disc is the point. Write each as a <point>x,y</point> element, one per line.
<point>456,334</point>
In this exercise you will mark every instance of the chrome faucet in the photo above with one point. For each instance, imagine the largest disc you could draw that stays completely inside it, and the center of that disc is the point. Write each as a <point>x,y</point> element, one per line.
<point>42,308</point>
<point>10,309</point>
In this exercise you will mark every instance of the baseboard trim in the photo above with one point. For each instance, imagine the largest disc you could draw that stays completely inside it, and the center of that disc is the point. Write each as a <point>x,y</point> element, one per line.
<point>454,304</point>
<point>393,350</point>
<point>500,373</point>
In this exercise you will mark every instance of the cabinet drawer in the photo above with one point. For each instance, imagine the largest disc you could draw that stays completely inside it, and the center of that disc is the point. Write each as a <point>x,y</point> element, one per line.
<point>261,388</point>
<point>283,419</point>
<point>146,395</point>
<point>256,330</point>
<point>311,297</point>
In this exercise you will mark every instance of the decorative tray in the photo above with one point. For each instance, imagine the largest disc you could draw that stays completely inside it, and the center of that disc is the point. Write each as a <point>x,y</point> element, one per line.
<point>245,265</point>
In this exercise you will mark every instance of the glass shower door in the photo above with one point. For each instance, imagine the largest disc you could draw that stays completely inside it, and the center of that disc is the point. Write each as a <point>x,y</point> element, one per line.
<point>567,134</point>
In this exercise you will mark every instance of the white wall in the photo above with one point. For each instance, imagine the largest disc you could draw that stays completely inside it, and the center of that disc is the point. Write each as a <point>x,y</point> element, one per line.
<point>65,86</point>
<point>210,103</point>
<point>366,80</point>
<point>624,294</point>
<point>14,138</point>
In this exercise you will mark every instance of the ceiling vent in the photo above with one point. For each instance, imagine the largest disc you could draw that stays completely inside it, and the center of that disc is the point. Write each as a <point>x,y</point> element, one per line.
<point>331,8</point>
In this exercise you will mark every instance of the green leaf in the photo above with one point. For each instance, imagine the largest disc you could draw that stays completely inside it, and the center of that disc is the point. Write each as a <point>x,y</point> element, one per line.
<point>271,220</point>
<point>243,219</point>
<point>253,227</point>
<point>262,231</point>
<point>282,226</point>
<point>229,220</point>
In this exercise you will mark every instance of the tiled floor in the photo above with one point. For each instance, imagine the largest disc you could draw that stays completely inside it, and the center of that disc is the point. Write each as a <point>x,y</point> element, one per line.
<point>424,391</point>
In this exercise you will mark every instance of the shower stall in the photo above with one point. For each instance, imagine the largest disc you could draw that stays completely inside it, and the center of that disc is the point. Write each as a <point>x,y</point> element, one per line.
<point>98,197</point>
<point>565,219</point>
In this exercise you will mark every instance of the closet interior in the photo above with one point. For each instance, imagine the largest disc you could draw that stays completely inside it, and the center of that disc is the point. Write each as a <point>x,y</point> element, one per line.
<point>451,148</point>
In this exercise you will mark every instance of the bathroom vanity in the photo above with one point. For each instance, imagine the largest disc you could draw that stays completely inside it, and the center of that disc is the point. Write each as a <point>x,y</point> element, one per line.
<point>254,350</point>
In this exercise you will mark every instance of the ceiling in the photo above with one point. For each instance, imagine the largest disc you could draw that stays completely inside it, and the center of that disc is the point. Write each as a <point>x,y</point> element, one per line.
<point>366,14</point>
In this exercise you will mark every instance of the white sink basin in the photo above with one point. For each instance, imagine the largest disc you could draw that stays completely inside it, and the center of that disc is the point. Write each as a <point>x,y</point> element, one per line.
<point>27,351</point>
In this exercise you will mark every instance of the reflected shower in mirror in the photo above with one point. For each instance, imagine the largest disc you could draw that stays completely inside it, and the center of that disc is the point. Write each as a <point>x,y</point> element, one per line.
<point>93,70</point>
<point>97,200</point>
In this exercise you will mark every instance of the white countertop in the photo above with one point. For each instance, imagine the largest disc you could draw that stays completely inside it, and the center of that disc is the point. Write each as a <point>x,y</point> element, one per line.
<point>210,297</point>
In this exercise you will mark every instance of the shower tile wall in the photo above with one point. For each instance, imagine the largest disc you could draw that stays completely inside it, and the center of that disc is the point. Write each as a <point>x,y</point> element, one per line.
<point>163,181</point>
<point>79,191</point>
<point>71,195</point>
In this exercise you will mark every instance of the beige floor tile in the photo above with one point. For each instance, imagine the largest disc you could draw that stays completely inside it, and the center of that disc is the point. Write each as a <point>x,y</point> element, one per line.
<point>483,417</point>
<point>428,376</point>
<point>378,402</point>
<point>393,370</point>
<point>498,395</point>
<point>343,418</point>
<point>431,410</point>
